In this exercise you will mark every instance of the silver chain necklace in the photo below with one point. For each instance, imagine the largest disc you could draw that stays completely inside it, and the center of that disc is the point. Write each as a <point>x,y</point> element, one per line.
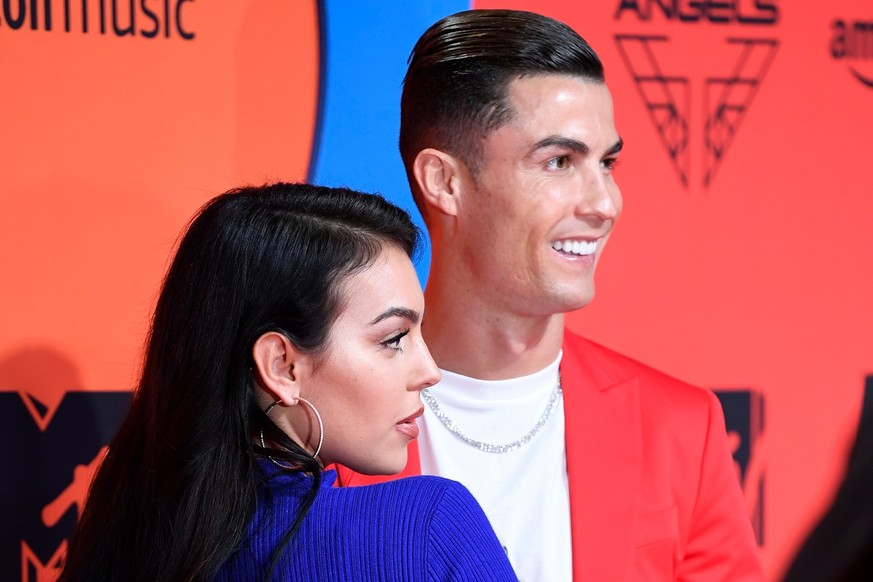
<point>485,447</point>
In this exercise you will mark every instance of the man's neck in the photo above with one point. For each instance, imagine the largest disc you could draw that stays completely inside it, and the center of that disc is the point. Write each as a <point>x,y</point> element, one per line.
<point>470,337</point>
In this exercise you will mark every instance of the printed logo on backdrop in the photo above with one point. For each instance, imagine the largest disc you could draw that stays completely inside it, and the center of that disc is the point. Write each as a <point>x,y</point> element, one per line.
<point>737,57</point>
<point>48,459</point>
<point>852,43</point>
<point>146,18</point>
<point>744,419</point>
<point>54,437</point>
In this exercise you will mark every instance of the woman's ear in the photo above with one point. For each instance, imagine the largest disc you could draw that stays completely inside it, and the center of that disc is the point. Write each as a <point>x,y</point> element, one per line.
<point>439,177</point>
<point>278,367</point>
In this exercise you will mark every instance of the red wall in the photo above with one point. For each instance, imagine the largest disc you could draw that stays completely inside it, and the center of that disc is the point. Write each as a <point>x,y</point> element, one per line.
<point>742,261</point>
<point>762,278</point>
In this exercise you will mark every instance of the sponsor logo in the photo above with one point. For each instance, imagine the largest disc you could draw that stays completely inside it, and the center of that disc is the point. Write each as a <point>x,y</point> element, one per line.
<point>144,18</point>
<point>718,11</point>
<point>53,443</point>
<point>852,42</point>
<point>735,62</point>
<point>744,419</point>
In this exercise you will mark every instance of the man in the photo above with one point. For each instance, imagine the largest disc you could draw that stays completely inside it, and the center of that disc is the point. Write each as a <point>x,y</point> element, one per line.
<point>589,465</point>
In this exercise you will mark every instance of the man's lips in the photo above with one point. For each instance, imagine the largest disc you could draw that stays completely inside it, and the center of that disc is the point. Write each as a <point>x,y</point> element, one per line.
<point>576,246</point>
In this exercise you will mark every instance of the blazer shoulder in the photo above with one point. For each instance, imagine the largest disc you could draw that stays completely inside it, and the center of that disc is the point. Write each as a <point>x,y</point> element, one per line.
<point>611,367</point>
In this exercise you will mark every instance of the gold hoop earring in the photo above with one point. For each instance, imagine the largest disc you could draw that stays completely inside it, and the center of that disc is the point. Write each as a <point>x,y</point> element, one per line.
<point>320,425</point>
<point>320,430</point>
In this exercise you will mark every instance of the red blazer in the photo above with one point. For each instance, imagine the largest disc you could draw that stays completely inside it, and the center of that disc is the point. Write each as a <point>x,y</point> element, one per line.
<point>654,493</point>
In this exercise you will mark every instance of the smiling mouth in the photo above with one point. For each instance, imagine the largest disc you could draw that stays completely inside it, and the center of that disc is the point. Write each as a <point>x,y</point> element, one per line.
<point>581,248</point>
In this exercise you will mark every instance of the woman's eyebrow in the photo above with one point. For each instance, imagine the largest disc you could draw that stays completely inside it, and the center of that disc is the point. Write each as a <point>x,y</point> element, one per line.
<point>404,312</point>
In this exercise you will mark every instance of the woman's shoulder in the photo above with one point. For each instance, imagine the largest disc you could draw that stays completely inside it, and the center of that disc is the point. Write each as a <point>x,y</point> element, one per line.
<point>453,536</point>
<point>421,495</point>
<point>422,483</point>
<point>426,503</point>
<point>457,540</point>
<point>425,489</point>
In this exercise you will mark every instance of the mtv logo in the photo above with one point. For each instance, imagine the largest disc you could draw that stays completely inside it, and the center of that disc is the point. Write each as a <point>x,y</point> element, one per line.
<point>744,420</point>
<point>33,570</point>
<point>49,454</point>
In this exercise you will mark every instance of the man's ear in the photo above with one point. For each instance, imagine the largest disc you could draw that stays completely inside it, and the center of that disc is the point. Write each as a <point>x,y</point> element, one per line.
<point>439,176</point>
<point>278,367</point>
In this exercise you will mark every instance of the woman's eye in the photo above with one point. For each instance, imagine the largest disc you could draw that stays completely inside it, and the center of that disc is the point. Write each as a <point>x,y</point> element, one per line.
<point>610,163</point>
<point>394,341</point>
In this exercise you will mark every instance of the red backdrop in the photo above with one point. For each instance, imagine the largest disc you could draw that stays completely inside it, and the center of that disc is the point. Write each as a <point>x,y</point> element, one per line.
<point>741,263</point>
<point>761,279</point>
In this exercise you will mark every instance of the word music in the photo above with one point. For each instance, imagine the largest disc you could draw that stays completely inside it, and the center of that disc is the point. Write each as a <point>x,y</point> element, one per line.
<point>146,18</point>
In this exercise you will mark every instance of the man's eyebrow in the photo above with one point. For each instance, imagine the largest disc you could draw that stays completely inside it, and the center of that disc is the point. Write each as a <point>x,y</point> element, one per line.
<point>573,145</point>
<point>561,142</point>
<point>404,312</point>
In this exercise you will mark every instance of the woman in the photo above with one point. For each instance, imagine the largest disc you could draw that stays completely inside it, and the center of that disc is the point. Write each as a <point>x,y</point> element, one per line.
<point>286,338</point>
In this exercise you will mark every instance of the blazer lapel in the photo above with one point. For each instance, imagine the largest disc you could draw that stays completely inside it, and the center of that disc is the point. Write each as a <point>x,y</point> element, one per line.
<point>603,439</point>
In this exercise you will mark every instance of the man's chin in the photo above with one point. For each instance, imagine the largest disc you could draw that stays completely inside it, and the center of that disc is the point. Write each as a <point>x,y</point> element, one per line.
<point>574,299</point>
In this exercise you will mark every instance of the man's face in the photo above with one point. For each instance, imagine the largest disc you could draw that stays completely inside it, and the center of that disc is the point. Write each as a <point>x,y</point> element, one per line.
<point>544,200</point>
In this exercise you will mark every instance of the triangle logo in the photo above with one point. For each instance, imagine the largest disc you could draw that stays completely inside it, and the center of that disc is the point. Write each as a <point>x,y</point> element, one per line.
<point>42,413</point>
<point>667,96</point>
<point>727,99</point>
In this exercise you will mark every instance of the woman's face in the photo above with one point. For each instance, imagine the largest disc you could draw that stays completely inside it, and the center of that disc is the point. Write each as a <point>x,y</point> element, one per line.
<point>366,383</point>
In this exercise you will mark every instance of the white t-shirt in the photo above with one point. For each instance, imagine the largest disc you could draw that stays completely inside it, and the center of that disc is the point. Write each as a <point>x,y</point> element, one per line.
<point>524,492</point>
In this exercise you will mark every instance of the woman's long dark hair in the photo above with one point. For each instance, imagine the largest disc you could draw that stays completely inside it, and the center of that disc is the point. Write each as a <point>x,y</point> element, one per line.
<point>173,498</point>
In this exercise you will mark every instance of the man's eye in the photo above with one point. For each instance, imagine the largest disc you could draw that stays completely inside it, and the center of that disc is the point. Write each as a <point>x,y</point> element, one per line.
<point>559,163</point>
<point>610,163</point>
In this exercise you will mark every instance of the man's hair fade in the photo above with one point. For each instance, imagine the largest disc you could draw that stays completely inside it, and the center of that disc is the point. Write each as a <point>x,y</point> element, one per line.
<point>456,87</point>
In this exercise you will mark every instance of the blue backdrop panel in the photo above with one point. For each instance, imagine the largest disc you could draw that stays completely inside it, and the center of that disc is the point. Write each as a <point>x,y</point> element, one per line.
<point>366,45</point>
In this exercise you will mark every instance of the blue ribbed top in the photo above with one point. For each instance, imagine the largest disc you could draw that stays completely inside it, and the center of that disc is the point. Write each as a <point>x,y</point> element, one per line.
<point>419,528</point>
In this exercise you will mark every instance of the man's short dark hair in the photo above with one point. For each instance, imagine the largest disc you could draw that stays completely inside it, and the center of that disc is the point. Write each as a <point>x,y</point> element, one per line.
<point>456,87</point>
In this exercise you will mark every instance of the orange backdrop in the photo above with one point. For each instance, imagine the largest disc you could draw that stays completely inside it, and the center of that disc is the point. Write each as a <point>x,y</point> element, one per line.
<point>741,263</point>
<point>761,279</point>
<point>117,124</point>
<point>110,143</point>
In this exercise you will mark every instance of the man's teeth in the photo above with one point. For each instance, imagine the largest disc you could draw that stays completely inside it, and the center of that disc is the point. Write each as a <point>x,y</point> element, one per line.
<point>575,247</point>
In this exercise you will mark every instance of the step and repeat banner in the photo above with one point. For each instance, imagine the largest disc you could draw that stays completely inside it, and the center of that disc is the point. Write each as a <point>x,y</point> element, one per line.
<point>742,261</point>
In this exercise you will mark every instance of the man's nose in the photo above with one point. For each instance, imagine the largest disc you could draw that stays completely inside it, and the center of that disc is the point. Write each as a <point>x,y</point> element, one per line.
<point>600,197</point>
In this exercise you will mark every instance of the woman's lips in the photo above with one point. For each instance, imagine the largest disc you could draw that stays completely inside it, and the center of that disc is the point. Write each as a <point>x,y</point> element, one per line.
<point>408,427</point>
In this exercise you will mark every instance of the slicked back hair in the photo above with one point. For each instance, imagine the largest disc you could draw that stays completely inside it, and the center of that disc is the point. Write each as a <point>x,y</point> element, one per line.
<point>456,87</point>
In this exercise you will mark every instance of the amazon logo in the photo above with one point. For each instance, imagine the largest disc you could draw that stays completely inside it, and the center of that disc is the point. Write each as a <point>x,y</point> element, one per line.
<point>852,41</point>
